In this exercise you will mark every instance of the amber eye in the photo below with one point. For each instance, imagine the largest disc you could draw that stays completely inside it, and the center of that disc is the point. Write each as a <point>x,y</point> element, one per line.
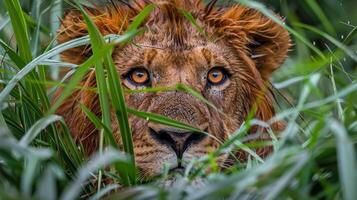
<point>217,75</point>
<point>139,76</point>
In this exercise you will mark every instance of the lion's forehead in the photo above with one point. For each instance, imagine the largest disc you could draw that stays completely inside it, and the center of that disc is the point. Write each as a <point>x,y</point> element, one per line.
<point>160,57</point>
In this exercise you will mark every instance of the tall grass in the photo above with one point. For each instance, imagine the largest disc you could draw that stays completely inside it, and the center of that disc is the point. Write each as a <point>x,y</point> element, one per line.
<point>314,156</point>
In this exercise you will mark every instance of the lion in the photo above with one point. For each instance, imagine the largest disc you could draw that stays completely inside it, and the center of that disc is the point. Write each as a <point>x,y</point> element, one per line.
<point>229,64</point>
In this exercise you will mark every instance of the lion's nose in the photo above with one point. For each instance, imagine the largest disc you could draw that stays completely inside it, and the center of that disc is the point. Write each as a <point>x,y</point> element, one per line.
<point>178,140</point>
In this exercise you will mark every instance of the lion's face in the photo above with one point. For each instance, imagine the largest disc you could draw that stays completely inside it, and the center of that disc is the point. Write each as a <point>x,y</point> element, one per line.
<point>228,65</point>
<point>206,67</point>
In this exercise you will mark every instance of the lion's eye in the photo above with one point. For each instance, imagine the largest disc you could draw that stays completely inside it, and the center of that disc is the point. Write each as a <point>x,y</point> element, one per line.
<point>217,75</point>
<point>139,77</point>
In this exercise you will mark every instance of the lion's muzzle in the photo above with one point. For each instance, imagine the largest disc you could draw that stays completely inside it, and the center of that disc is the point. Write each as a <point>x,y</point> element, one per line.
<point>178,140</point>
<point>180,144</point>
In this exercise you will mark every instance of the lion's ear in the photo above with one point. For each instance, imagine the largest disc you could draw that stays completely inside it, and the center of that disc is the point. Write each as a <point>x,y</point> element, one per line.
<point>266,41</point>
<point>109,20</point>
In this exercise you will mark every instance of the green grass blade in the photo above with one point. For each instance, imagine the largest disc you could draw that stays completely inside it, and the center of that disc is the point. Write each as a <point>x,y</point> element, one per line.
<point>97,43</point>
<point>117,92</point>
<point>99,125</point>
<point>56,10</point>
<point>163,120</point>
<point>12,54</point>
<point>283,182</point>
<point>47,188</point>
<point>104,192</point>
<point>78,75</point>
<point>338,101</point>
<point>98,161</point>
<point>198,96</point>
<point>178,87</point>
<point>37,128</point>
<point>20,28</point>
<point>71,151</point>
<point>19,25</point>
<point>340,45</point>
<point>4,23</point>
<point>318,103</point>
<point>32,65</point>
<point>114,83</point>
<point>347,163</point>
<point>117,95</point>
<point>321,15</point>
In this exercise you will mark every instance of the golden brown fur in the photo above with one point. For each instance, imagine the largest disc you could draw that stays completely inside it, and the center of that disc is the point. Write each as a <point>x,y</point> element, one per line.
<point>248,44</point>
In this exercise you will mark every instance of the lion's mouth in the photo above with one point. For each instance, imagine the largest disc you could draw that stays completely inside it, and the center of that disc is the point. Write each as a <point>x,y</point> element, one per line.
<point>177,170</point>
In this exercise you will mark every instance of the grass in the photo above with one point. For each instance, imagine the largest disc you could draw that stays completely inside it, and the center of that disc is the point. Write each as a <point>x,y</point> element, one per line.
<point>314,158</point>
